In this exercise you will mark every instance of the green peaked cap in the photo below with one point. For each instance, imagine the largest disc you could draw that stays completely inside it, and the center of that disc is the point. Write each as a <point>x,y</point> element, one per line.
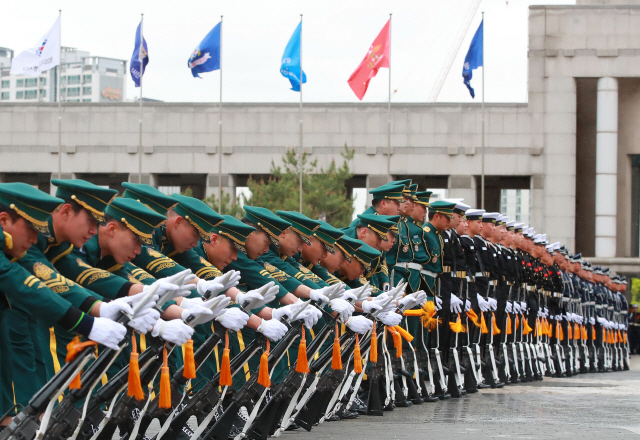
<point>140,220</point>
<point>267,221</point>
<point>30,203</point>
<point>328,235</point>
<point>423,197</point>
<point>301,224</point>
<point>391,190</point>
<point>413,189</point>
<point>198,213</point>
<point>91,197</point>
<point>443,207</point>
<point>366,254</point>
<point>380,224</point>
<point>150,196</point>
<point>235,231</point>
<point>348,246</point>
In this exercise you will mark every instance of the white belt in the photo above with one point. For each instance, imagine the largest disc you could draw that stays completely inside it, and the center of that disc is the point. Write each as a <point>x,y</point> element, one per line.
<point>414,266</point>
<point>429,273</point>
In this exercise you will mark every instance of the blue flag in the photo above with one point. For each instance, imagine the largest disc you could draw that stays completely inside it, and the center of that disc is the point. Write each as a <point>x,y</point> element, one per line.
<point>474,58</point>
<point>206,57</point>
<point>290,67</point>
<point>134,65</point>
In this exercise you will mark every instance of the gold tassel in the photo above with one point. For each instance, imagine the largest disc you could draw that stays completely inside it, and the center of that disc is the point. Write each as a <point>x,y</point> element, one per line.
<point>302,366</point>
<point>405,334</point>
<point>165,382</point>
<point>135,386</point>
<point>373,354</point>
<point>509,330</point>
<point>189,370</point>
<point>357,358</point>
<point>336,360</point>
<point>494,325</point>
<point>226,380</point>
<point>456,326</point>
<point>73,348</point>
<point>483,324</point>
<point>473,317</point>
<point>263,372</point>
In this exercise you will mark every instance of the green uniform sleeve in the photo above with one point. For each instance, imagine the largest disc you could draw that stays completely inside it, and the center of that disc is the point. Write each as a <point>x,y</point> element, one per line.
<point>295,277</point>
<point>196,261</point>
<point>156,264</point>
<point>322,273</point>
<point>254,275</point>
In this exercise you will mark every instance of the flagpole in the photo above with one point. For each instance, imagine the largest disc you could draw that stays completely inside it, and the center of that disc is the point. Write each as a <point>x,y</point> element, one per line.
<point>60,102</point>
<point>141,59</point>
<point>389,111</point>
<point>483,71</point>
<point>220,129</point>
<point>301,164</point>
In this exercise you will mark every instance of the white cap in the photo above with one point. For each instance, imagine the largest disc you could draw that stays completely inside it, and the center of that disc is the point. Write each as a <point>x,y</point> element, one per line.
<point>490,217</point>
<point>511,224</point>
<point>474,214</point>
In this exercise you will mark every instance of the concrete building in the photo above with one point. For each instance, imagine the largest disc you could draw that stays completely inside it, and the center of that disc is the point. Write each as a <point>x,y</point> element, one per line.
<point>575,146</point>
<point>85,78</point>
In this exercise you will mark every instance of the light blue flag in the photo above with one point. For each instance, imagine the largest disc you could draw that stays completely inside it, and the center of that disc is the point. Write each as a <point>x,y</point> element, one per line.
<point>134,65</point>
<point>474,58</point>
<point>206,57</point>
<point>290,67</point>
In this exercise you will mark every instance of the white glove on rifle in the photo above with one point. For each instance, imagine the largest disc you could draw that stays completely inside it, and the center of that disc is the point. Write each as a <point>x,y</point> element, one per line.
<point>602,321</point>
<point>455,305</point>
<point>107,332</point>
<point>219,284</point>
<point>359,324</point>
<point>438,303</point>
<point>516,307</point>
<point>111,310</point>
<point>421,297</point>
<point>361,292</point>
<point>350,295</point>
<point>286,311</point>
<point>381,301</point>
<point>343,308</point>
<point>144,323</point>
<point>164,287</point>
<point>509,307</point>
<point>592,321</point>
<point>310,316</point>
<point>483,304</point>
<point>467,305</point>
<point>391,319</point>
<point>272,329</point>
<point>523,306</point>
<point>217,307</point>
<point>408,302</point>
<point>493,303</point>
<point>200,314</point>
<point>370,306</point>
<point>320,294</point>
<point>253,299</point>
<point>174,331</point>
<point>233,319</point>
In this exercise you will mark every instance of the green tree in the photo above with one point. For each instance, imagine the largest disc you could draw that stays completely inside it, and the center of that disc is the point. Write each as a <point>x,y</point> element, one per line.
<point>635,291</point>
<point>228,207</point>
<point>324,193</point>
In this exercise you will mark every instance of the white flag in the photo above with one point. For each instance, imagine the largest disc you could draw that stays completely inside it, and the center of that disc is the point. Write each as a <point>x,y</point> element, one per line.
<point>45,56</point>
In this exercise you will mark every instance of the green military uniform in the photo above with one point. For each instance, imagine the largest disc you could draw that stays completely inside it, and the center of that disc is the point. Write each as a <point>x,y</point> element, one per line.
<point>328,235</point>
<point>21,291</point>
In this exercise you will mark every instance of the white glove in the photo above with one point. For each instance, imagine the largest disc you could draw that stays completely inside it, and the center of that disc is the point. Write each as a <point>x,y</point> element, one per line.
<point>509,307</point>
<point>320,295</point>
<point>232,281</point>
<point>260,299</point>
<point>602,321</point>
<point>523,306</point>
<point>233,319</point>
<point>174,331</point>
<point>516,307</point>
<point>310,316</point>
<point>210,286</point>
<point>361,292</point>
<point>249,297</point>
<point>539,313</point>
<point>493,304</point>
<point>408,302</point>
<point>111,310</point>
<point>107,332</point>
<point>483,304</point>
<point>349,295</point>
<point>370,306</point>
<point>580,319</point>
<point>391,318</point>
<point>343,308</point>
<point>455,305</point>
<point>381,300</point>
<point>164,287</point>
<point>199,313</point>
<point>217,306</point>
<point>359,324</point>
<point>286,311</point>
<point>438,303</point>
<point>144,323</point>
<point>421,297</point>
<point>272,329</point>
<point>467,305</point>
<point>592,321</point>
<point>546,312</point>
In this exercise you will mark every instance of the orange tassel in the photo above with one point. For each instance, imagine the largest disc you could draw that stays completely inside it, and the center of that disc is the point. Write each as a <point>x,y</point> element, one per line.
<point>473,317</point>
<point>357,358</point>
<point>336,360</point>
<point>624,336</point>
<point>135,387</point>
<point>526,328</point>
<point>576,331</point>
<point>165,382</point>
<point>456,326</point>
<point>509,329</point>
<point>397,341</point>
<point>593,333</point>
<point>189,369</point>
<point>225,368</point>
<point>483,324</point>
<point>373,354</point>
<point>263,372</point>
<point>302,366</point>
<point>517,322</point>
<point>494,325</point>
<point>559,332</point>
<point>569,332</point>
<point>73,348</point>
<point>405,334</point>
<point>583,332</point>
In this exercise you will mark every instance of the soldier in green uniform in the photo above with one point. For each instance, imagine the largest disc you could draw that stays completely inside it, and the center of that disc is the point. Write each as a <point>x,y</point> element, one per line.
<point>330,264</point>
<point>387,199</point>
<point>25,212</point>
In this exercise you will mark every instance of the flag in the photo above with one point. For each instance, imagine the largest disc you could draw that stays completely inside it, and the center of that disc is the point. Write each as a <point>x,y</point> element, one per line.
<point>378,56</point>
<point>290,67</point>
<point>134,65</point>
<point>44,56</point>
<point>206,57</point>
<point>474,58</point>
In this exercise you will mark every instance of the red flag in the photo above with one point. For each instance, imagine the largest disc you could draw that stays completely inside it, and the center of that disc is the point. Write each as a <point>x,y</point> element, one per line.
<point>378,56</point>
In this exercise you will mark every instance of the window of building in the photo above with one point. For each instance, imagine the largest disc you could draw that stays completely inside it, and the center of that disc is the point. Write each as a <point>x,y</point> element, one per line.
<point>73,79</point>
<point>86,79</point>
<point>168,190</point>
<point>31,94</point>
<point>43,81</point>
<point>5,84</point>
<point>31,82</point>
<point>20,94</point>
<point>20,83</point>
<point>43,93</point>
<point>86,90</point>
<point>86,100</point>
<point>514,203</point>
<point>73,100</point>
<point>73,91</point>
<point>4,96</point>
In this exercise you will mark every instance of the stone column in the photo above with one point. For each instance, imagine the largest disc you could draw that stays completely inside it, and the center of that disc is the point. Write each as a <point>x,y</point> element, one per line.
<point>606,167</point>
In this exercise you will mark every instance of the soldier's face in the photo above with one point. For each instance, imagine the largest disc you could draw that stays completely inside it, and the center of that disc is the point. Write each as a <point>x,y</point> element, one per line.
<point>123,244</point>
<point>387,245</point>
<point>474,226</point>
<point>461,229</point>
<point>488,229</point>
<point>332,262</point>
<point>220,251</point>
<point>290,243</point>
<point>419,212</point>
<point>257,244</point>
<point>407,207</point>
<point>76,227</point>
<point>351,270</point>
<point>455,221</point>
<point>22,234</point>
<point>315,252</point>
<point>183,234</point>
<point>389,207</point>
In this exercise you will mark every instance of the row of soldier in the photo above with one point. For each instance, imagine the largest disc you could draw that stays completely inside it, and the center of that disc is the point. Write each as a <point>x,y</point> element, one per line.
<point>413,302</point>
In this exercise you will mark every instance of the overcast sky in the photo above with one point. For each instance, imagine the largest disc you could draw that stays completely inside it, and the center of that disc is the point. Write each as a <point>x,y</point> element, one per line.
<point>336,35</point>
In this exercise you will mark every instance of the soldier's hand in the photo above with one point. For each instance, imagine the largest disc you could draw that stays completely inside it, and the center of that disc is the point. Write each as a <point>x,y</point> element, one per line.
<point>107,332</point>
<point>144,323</point>
<point>359,324</point>
<point>483,304</point>
<point>391,319</point>
<point>509,307</point>
<point>233,319</point>
<point>320,294</point>
<point>493,304</point>
<point>272,329</point>
<point>344,309</point>
<point>438,301</point>
<point>370,306</point>
<point>245,299</point>
<point>592,321</point>
<point>199,315</point>
<point>467,305</point>
<point>516,307</point>
<point>216,305</point>
<point>111,310</point>
<point>421,297</point>
<point>456,304</point>
<point>408,302</point>
<point>174,331</point>
<point>286,311</point>
<point>211,286</point>
<point>523,306</point>
<point>310,316</point>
